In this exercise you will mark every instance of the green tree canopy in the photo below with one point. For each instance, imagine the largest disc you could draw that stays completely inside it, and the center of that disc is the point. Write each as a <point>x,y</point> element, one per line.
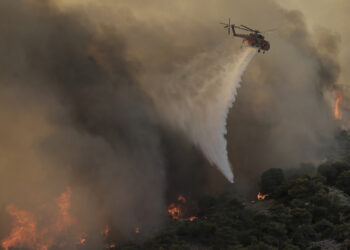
<point>271,179</point>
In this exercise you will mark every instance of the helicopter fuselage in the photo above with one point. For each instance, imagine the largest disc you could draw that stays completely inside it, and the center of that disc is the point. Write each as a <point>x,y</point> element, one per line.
<point>253,39</point>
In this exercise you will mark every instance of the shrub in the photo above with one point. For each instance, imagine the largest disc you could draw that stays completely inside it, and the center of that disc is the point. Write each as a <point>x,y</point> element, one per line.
<point>342,232</point>
<point>271,179</point>
<point>303,235</point>
<point>333,170</point>
<point>325,229</point>
<point>300,216</point>
<point>343,181</point>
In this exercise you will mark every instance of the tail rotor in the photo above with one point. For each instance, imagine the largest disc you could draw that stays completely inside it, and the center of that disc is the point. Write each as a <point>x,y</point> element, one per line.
<point>227,25</point>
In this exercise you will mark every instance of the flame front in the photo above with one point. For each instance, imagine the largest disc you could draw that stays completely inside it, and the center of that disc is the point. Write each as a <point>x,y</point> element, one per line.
<point>261,196</point>
<point>177,210</point>
<point>64,203</point>
<point>34,232</point>
<point>336,111</point>
<point>174,211</point>
<point>24,229</point>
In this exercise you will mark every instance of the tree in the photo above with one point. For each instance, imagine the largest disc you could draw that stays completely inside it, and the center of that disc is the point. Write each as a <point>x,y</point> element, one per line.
<point>343,181</point>
<point>303,235</point>
<point>261,246</point>
<point>332,171</point>
<point>271,179</point>
<point>300,216</point>
<point>325,228</point>
<point>342,232</point>
<point>304,169</point>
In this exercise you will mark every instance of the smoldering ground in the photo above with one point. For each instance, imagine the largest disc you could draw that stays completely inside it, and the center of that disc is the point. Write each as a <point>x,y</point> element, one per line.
<point>79,106</point>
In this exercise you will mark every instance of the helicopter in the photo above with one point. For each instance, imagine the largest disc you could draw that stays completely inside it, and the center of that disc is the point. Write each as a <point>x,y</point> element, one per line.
<point>254,39</point>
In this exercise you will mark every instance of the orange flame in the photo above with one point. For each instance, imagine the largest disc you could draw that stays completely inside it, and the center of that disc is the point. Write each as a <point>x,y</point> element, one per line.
<point>192,218</point>
<point>337,112</point>
<point>137,230</point>
<point>28,233</point>
<point>176,210</point>
<point>181,198</point>
<point>24,229</point>
<point>261,196</point>
<point>64,218</point>
<point>105,232</point>
<point>110,246</point>
<point>82,238</point>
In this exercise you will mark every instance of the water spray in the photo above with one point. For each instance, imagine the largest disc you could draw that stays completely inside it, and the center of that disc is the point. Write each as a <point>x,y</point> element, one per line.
<point>197,98</point>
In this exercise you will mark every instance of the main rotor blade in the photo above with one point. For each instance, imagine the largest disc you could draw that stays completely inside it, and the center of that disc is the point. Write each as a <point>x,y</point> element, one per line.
<point>247,27</point>
<point>250,28</point>
<point>270,30</point>
<point>238,27</point>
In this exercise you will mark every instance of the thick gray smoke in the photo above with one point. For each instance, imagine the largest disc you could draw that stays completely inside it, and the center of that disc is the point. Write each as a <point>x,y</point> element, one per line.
<point>88,90</point>
<point>74,116</point>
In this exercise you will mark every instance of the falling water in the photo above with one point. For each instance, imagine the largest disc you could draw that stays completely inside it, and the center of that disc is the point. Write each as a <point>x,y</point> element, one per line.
<point>197,98</point>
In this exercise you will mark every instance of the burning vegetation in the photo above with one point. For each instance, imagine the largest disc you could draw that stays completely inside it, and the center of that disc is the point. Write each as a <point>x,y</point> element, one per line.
<point>44,228</point>
<point>39,230</point>
<point>337,113</point>
<point>181,210</point>
<point>261,196</point>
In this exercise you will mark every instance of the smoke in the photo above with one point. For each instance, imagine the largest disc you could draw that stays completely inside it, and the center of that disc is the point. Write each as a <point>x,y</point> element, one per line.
<point>74,116</point>
<point>109,97</point>
<point>196,98</point>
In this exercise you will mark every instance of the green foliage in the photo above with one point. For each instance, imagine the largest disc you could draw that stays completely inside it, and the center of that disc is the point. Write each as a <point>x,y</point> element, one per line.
<point>343,181</point>
<point>300,216</point>
<point>303,235</point>
<point>342,232</point>
<point>324,228</point>
<point>332,171</point>
<point>345,211</point>
<point>271,179</point>
<point>302,211</point>
<point>299,191</point>
<point>261,246</point>
<point>290,247</point>
<point>206,204</point>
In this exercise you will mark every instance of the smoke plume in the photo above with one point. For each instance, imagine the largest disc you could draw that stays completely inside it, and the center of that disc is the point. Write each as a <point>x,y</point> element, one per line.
<point>113,99</point>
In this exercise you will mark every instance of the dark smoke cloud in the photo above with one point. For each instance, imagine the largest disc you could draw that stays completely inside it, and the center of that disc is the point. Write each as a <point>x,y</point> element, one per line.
<point>77,84</point>
<point>102,139</point>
